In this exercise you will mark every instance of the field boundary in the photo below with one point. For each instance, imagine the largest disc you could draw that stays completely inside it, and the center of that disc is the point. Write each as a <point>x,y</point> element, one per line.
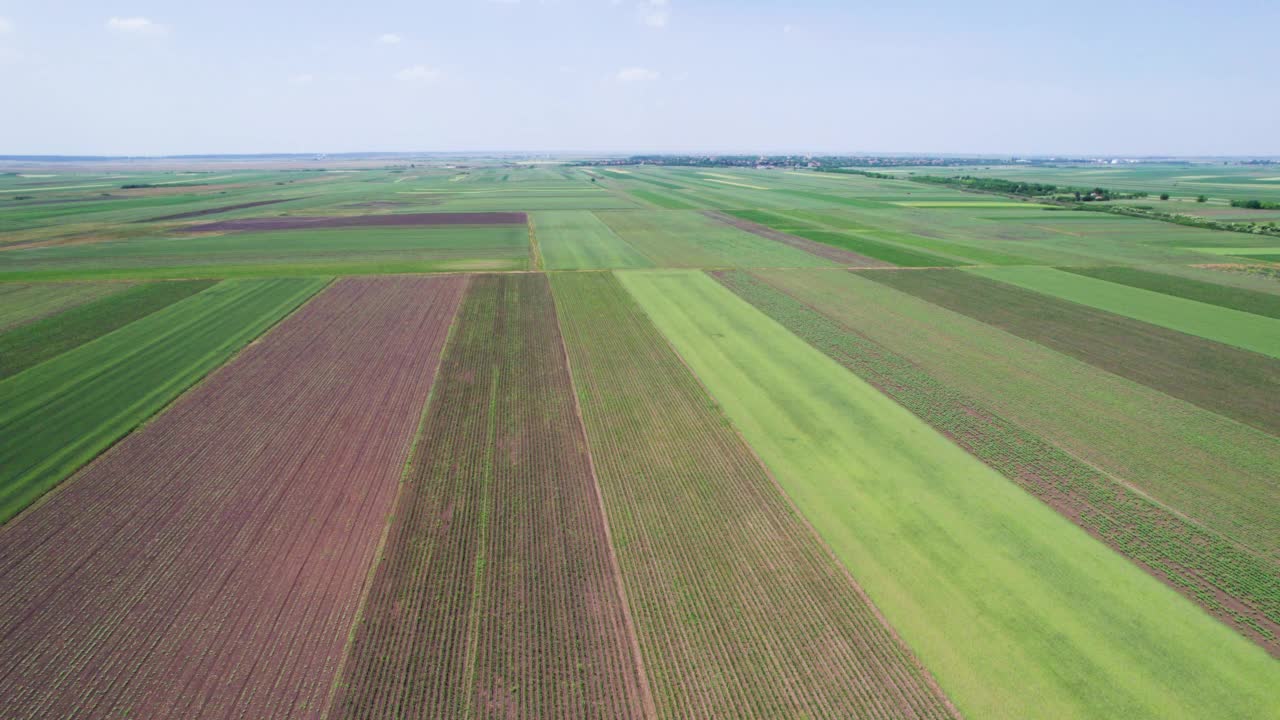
<point>478,584</point>
<point>804,519</point>
<point>535,252</point>
<point>367,586</point>
<point>646,693</point>
<point>73,475</point>
<point>1250,617</point>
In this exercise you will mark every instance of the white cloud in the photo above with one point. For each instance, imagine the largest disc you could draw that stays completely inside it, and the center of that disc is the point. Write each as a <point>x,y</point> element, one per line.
<point>654,13</point>
<point>136,26</point>
<point>788,29</point>
<point>6,25</point>
<point>420,74</point>
<point>637,74</point>
<point>302,79</point>
<point>389,39</point>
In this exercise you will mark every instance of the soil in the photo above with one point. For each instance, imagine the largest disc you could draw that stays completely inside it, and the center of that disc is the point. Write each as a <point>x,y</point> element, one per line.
<point>210,564</point>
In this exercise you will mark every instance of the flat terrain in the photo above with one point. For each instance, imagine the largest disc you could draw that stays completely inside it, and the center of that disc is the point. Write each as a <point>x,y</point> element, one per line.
<point>496,594</point>
<point>40,340</point>
<point>219,552</point>
<point>739,610</point>
<point>61,413</point>
<point>947,548</point>
<point>488,438</point>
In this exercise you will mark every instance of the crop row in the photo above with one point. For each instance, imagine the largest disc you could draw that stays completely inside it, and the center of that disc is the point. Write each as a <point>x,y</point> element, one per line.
<point>861,243</point>
<point>21,303</point>
<point>1239,384</point>
<point>496,595</point>
<point>1242,299</point>
<point>739,609</point>
<point>211,563</point>
<point>35,342</point>
<point>830,252</point>
<point>58,415</point>
<point>678,238</point>
<point>1226,580</point>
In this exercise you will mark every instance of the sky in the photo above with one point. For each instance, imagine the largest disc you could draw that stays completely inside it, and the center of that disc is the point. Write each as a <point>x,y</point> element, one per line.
<point>1118,78</point>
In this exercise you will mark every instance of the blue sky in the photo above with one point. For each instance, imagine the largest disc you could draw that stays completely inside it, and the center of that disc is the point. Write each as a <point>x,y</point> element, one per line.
<point>1112,78</point>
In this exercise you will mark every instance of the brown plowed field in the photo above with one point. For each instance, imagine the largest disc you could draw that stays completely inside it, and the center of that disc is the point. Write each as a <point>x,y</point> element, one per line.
<point>313,222</point>
<point>835,254</point>
<point>496,595</point>
<point>210,565</point>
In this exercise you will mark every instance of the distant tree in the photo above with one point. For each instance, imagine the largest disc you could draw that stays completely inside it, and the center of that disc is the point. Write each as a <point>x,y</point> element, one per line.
<point>1201,198</point>
<point>1164,196</point>
<point>1255,205</point>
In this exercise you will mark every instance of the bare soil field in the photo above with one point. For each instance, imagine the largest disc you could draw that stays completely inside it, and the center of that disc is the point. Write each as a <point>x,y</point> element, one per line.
<point>210,564</point>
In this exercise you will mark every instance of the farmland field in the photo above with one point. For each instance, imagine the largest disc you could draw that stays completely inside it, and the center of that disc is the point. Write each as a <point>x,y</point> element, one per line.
<point>496,591</point>
<point>1207,567</point>
<point>1236,383</point>
<point>578,240</point>
<point>61,413</point>
<point>680,238</point>
<point>41,340</point>
<point>318,251</point>
<point>758,621</point>
<point>21,304</point>
<point>214,559</point>
<point>1243,299</point>
<point>1214,322</point>
<point>490,436</point>
<point>978,576</point>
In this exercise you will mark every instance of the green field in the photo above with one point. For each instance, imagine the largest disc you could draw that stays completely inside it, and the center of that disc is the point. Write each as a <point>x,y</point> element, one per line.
<point>1221,475</point>
<point>829,444</point>
<point>35,342</point>
<point>20,304</point>
<point>62,413</point>
<point>1210,569</point>
<point>734,578</point>
<point>1233,327</point>
<point>863,243</point>
<point>1183,181</point>
<point>397,249</point>
<point>681,238</point>
<point>1012,607</point>
<point>1243,299</point>
<point>1237,383</point>
<point>578,240</point>
<point>865,226</point>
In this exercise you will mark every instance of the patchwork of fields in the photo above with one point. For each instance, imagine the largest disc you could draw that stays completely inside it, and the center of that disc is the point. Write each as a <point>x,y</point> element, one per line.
<point>503,440</point>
